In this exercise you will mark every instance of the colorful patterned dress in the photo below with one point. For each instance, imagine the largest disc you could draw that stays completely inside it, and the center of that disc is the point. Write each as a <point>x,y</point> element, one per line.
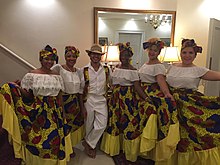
<point>162,134</point>
<point>126,119</point>
<point>74,117</point>
<point>199,118</point>
<point>36,125</point>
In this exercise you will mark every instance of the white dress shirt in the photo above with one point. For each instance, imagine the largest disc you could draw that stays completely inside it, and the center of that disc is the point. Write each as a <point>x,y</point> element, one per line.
<point>97,80</point>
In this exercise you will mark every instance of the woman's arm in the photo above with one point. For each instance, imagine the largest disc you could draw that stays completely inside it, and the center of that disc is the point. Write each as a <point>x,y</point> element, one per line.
<point>163,86</point>
<point>211,76</point>
<point>60,97</point>
<point>24,93</point>
<point>82,107</point>
<point>140,90</point>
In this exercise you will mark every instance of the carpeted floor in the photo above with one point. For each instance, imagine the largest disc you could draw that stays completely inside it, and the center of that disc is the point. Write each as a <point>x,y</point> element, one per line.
<point>121,160</point>
<point>6,150</point>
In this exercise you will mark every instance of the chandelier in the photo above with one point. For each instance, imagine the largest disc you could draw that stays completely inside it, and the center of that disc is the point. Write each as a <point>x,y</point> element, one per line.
<point>157,20</point>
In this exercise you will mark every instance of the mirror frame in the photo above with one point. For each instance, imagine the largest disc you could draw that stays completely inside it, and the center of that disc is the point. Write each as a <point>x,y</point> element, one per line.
<point>97,9</point>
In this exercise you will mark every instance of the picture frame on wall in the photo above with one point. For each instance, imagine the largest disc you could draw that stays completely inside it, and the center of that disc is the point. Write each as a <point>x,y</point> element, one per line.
<point>103,41</point>
<point>167,41</point>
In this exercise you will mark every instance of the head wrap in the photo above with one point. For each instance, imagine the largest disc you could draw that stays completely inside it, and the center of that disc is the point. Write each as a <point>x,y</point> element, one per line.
<point>48,51</point>
<point>191,43</point>
<point>153,41</point>
<point>72,49</point>
<point>125,47</point>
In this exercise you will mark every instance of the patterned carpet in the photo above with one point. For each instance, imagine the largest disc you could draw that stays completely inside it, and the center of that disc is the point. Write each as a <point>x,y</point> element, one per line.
<point>121,160</point>
<point>6,150</point>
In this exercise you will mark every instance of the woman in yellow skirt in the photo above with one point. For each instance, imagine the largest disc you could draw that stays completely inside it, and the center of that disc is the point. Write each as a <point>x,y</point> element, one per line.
<point>33,115</point>
<point>126,119</point>
<point>161,135</point>
<point>71,80</point>
<point>199,115</point>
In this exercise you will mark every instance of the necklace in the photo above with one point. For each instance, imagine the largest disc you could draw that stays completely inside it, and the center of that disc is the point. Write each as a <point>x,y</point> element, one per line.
<point>73,70</point>
<point>45,71</point>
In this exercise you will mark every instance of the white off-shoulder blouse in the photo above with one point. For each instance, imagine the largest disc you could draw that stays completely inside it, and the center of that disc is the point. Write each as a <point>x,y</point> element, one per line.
<point>148,73</point>
<point>71,80</point>
<point>43,84</point>
<point>124,77</point>
<point>185,77</point>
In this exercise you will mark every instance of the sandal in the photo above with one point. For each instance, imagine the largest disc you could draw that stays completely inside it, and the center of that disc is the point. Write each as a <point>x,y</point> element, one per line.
<point>73,154</point>
<point>88,150</point>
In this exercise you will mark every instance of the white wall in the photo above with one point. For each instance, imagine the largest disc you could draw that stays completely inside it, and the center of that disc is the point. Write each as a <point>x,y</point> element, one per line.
<point>113,26</point>
<point>26,29</point>
<point>193,22</point>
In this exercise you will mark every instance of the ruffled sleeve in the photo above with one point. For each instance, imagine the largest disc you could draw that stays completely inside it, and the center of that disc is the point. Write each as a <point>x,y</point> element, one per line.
<point>153,70</point>
<point>43,84</point>
<point>56,68</point>
<point>185,77</point>
<point>124,76</point>
<point>131,75</point>
<point>159,69</point>
<point>27,81</point>
<point>201,71</point>
<point>148,73</point>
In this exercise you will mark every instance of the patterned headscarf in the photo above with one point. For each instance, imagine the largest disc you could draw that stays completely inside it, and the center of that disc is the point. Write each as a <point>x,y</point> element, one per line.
<point>48,51</point>
<point>125,47</point>
<point>191,43</point>
<point>72,49</point>
<point>153,41</point>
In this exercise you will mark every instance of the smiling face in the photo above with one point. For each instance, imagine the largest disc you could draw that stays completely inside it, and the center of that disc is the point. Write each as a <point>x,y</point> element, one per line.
<point>47,62</point>
<point>153,52</point>
<point>70,58</point>
<point>187,55</point>
<point>124,57</point>
<point>95,57</point>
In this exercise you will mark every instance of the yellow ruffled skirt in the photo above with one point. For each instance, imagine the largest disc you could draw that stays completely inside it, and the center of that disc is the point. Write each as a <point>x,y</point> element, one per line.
<point>127,120</point>
<point>12,125</point>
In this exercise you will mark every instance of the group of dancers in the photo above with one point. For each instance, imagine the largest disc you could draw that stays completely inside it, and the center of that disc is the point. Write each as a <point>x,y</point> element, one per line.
<point>153,112</point>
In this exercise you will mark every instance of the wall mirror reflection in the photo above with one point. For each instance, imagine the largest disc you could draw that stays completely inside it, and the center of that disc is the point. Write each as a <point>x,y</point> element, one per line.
<point>134,26</point>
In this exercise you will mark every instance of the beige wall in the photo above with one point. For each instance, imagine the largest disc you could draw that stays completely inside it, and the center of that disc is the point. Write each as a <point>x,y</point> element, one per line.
<point>25,29</point>
<point>193,22</point>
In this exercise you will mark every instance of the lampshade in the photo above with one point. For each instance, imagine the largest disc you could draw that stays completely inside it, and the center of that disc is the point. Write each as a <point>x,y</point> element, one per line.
<point>169,54</point>
<point>111,53</point>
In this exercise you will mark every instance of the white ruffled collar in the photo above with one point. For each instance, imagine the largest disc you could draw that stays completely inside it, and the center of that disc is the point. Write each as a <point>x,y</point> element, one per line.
<point>47,82</point>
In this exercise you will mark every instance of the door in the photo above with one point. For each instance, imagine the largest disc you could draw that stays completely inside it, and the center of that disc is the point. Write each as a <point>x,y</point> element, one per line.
<point>212,88</point>
<point>135,39</point>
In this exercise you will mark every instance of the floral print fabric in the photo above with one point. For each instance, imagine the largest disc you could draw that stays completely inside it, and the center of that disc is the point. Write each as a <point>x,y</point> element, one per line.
<point>41,122</point>
<point>73,114</point>
<point>199,118</point>
<point>125,115</point>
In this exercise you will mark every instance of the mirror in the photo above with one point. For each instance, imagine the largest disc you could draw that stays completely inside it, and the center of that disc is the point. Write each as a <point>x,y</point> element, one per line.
<point>135,26</point>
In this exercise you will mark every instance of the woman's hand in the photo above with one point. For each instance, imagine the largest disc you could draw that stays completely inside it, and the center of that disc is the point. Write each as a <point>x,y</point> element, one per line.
<point>168,95</point>
<point>84,112</point>
<point>16,83</point>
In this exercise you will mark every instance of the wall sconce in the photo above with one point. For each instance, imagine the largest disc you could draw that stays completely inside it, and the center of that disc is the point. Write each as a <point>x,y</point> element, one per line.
<point>169,54</point>
<point>157,20</point>
<point>111,56</point>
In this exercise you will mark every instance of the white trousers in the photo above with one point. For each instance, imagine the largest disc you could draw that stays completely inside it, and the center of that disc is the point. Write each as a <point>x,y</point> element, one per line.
<point>97,116</point>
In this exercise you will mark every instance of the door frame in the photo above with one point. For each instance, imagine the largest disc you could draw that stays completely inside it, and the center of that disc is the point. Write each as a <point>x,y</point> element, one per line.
<point>213,24</point>
<point>132,32</point>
